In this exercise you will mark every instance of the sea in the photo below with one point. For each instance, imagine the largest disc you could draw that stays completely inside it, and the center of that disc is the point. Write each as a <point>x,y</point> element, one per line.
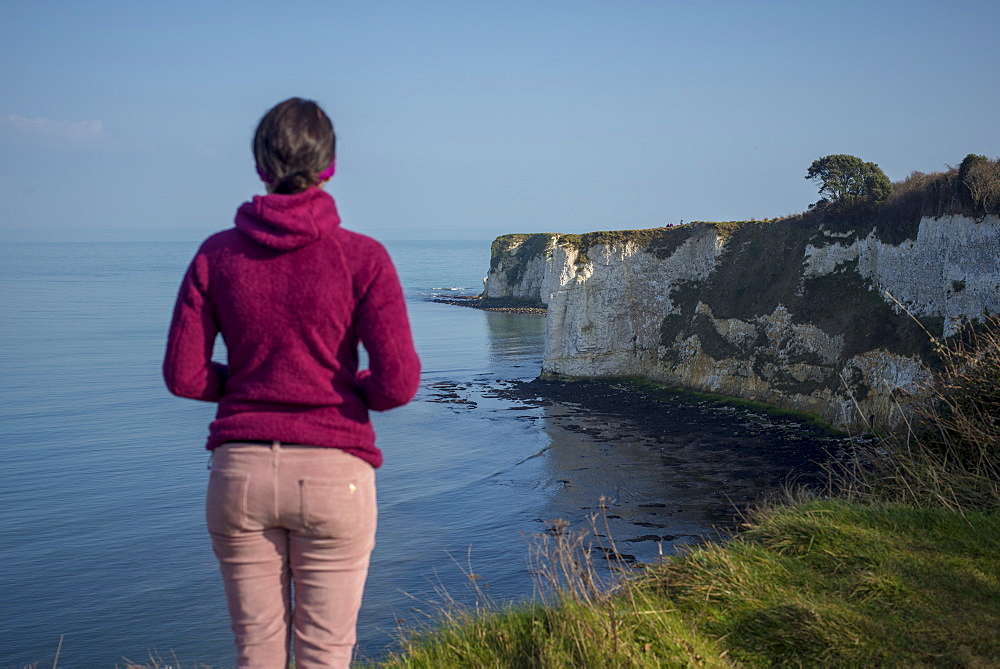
<point>104,556</point>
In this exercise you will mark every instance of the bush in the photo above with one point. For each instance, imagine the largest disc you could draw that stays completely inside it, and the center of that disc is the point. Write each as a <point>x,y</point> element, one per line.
<point>961,422</point>
<point>950,455</point>
<point>981,178</point>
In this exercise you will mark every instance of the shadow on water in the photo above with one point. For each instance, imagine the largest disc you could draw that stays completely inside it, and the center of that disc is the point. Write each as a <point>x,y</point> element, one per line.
<point>673,470</point>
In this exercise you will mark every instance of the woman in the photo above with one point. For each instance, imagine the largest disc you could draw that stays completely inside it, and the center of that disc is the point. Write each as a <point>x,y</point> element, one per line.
<point>291,496</point>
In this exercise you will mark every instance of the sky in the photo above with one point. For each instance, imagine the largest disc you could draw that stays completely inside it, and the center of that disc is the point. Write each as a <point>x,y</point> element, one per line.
<point>132,120</point>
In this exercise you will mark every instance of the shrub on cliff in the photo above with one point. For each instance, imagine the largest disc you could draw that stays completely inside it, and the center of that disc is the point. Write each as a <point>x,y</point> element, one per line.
<point>846,179</point>
<point>950,453</point>
<point>972,190</point>
<point>981,178</point>
<point>958,430</point>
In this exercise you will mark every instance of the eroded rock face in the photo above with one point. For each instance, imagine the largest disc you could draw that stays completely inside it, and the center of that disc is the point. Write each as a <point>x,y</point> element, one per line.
<point>948,271</point>
<point>783,313</point>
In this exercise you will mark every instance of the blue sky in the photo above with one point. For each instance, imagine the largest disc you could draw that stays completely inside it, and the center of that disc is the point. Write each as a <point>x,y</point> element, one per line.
<point>132,120</point>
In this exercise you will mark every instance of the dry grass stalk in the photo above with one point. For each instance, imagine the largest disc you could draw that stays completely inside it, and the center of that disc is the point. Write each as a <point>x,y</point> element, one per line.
<point>949,451</point>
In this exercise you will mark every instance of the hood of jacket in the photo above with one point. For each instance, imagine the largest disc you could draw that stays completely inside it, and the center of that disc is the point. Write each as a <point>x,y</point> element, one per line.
<point>288,222</point>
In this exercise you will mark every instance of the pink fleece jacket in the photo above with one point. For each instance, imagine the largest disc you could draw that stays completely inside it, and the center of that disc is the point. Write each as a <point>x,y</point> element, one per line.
<point>292,294</point>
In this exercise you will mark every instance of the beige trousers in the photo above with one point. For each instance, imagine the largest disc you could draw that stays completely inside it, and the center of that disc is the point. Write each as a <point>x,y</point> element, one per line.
<point>284,514</point>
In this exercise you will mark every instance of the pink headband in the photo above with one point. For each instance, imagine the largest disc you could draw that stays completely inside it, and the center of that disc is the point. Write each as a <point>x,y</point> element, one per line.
<point>328,172</point>
<point>323,176</point>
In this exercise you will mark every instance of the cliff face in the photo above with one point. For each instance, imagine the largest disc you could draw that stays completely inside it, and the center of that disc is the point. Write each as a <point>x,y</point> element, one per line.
<point>790,313</point>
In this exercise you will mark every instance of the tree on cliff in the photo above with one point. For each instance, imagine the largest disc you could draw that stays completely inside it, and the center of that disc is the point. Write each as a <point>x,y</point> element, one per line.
<point>845,178</point>
<point>981,176</point>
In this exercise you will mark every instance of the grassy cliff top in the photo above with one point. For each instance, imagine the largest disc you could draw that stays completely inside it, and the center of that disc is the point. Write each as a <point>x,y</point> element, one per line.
<point>660,241</point>
<point>893,220</point>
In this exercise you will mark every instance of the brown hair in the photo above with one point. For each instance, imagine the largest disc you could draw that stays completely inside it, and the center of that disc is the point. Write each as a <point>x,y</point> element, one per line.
<point>293,144</point>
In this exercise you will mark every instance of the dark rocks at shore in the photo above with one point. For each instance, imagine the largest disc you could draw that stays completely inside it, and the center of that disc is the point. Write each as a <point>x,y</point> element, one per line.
<point>747,448</point>
<point>665,469</point>
<point>664,411</point>
<point>491,304</point>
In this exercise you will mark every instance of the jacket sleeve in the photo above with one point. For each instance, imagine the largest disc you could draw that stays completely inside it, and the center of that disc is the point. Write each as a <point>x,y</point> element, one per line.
<point>393,374</point>
<point>187,367</point>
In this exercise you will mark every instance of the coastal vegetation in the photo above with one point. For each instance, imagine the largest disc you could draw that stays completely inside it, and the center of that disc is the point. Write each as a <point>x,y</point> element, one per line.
<point>980,177</point>
<point>897,563</point>
<point>818,583</point>
<point>971,189</point>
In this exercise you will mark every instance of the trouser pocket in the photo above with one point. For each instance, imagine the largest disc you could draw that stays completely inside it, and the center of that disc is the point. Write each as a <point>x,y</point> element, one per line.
<point>226,503</point>
<point>337,508</point>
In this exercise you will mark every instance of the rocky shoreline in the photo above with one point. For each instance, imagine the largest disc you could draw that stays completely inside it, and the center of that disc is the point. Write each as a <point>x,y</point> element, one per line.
<point>507,306</point>
<point>661,469</point>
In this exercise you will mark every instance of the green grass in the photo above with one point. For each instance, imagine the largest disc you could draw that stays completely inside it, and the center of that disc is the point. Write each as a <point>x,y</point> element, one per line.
<point>817,583</point>
<point>901,569</point>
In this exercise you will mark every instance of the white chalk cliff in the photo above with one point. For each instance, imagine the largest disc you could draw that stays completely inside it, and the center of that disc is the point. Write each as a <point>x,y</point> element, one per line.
<point>787,313</point>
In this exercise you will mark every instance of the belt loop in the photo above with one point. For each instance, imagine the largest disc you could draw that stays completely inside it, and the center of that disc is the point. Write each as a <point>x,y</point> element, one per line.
<point>211,456</point>
<point>275,445</point>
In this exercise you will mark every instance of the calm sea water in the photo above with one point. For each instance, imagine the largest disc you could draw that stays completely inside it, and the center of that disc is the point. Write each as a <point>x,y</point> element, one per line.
<point>102,472</point>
